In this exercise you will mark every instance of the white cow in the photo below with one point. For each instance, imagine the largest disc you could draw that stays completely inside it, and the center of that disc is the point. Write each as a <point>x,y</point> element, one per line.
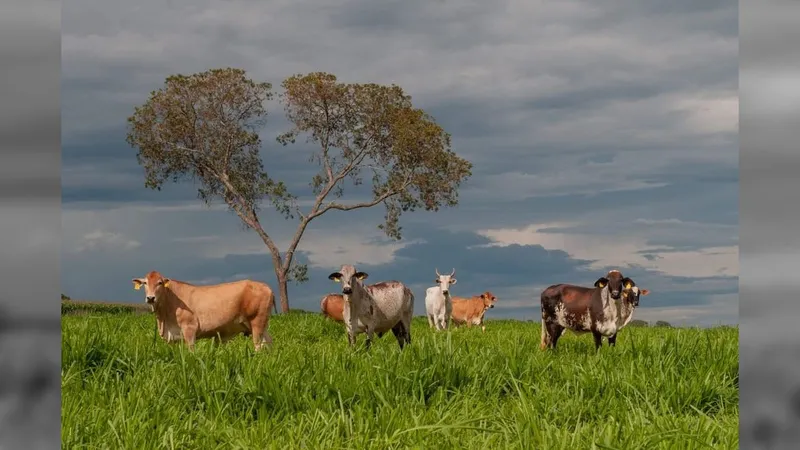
<point>438,303</point>
<point>374,309</point>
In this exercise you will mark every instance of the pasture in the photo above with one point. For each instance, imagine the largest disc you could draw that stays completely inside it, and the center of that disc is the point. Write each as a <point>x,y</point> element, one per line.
<point>659,388</point>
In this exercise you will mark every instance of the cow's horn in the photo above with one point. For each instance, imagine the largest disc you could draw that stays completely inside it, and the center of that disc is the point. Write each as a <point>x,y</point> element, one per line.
<point>454,272</point>
<point>437,272</point>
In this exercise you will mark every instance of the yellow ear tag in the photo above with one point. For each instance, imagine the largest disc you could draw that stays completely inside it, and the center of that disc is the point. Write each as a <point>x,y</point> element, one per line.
<point>137,286</point>
<point>336,280</point>
<point>602,285</point>
<point>166,284</point>
<point>628,286</point>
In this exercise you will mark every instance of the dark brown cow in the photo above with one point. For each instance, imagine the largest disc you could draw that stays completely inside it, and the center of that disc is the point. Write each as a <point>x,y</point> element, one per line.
<point>332,306</point>
<point>602,310</point>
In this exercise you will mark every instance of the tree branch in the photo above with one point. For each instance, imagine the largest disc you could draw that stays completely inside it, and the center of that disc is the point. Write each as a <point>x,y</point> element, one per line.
<point>369,204</point>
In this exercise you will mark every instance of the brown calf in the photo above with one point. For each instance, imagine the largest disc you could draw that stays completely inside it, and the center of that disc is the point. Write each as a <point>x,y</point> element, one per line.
<point>471,311</point>
<point>332,306</point>
<point>602,310</point>
<point>188,312</point>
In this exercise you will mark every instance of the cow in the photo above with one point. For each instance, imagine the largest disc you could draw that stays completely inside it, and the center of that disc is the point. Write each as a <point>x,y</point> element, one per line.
<point>374,309</point>
<point>602,310</point>
<point>332,306</point>
<point>438,303</point>
<point>188,312</point>
<point>471,311</point>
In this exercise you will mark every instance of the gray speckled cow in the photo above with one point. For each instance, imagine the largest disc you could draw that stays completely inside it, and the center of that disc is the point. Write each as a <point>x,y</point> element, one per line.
<point>374,309</point>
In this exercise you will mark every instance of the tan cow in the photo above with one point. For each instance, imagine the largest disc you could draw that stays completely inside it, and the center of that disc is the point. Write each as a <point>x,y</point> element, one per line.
<point>332,306</point>
<point>470,311</point>
<point>187,312</point>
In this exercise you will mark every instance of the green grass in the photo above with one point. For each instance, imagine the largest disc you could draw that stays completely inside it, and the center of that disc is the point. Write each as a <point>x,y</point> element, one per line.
<point>659,388</point>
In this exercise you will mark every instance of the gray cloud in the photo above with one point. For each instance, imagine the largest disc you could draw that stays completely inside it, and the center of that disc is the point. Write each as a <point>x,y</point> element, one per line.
<point>572,114</point>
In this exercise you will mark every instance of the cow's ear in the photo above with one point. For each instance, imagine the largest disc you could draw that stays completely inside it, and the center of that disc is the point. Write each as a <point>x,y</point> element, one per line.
<point>166,282</point>
<point>335,276</point>
<point>137,283</point>
<point>453,281</point>
<point>628,283</point>
<point>362,275</point>
<point>644,291</point>
<point>601,282</point>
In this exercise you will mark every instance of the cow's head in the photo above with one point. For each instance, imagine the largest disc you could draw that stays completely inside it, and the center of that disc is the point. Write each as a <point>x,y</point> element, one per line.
<point>154,286</point>
<point>488,300</point>
<point>615,282</point>
<point>348,276</point>
<point>631,292</point>
<point>445,281</point>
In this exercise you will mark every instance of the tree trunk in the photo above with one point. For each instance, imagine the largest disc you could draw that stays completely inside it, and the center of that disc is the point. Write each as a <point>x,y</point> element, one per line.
<point>283,290</point>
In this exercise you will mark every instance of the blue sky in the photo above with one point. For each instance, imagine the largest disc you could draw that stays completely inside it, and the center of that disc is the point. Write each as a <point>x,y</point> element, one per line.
<point>603,135</point>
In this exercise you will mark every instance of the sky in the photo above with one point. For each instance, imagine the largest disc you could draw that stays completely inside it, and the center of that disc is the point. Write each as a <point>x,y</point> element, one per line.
<point>602,135</point>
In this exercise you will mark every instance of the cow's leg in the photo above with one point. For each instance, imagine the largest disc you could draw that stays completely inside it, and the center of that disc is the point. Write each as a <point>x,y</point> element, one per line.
<point>258,327</point>
<point>598,340</point>
<point>399,331</point>
<point>612,340</point>
<point>430,321</point>
<point>350,327</point>
<point>370,334</point>
<point>189,336</point>
<point>554,330</point>
<point>441,322</point>
<point>407,327</point>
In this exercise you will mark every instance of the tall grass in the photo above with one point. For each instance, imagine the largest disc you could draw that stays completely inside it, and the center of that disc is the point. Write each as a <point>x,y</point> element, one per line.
<point>659,388</point>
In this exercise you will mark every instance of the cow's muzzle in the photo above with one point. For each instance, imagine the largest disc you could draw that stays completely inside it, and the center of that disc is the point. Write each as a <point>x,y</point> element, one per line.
<point>615,295</point>
<point>491,306</point>
<point>150,299</point>
<point>347,290</point>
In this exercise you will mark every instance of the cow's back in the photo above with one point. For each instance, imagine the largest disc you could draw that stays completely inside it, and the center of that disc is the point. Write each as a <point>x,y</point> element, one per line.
<point>332,306</point>
<point>217,305</point>
<point>465,309</point>
<point>392,301</point>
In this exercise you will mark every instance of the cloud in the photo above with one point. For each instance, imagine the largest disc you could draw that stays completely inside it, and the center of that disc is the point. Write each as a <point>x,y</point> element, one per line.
<point>601,135</point>
<point>621,247</point>
<point>99,239</point>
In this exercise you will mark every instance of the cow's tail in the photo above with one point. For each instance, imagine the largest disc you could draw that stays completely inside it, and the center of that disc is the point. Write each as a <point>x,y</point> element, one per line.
<point>410,295</point>
<point>272,303</point>
<point>545,335</point>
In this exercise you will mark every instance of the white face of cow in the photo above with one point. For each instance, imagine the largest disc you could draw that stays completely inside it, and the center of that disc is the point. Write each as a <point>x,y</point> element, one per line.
<point>154,286</point>
<point>445,281</point>
<point>348,275</point>
<point>633,293</point>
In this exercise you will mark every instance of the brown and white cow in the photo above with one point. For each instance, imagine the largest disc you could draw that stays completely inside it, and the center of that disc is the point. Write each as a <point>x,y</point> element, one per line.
<point>374,309</point>
<point>471,311</point>
<point>332,306</point>
<point>602,310</point>
<point>186,312</point>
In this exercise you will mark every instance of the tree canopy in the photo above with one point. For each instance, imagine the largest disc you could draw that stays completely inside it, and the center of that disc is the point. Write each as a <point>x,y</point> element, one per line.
<point>204,127</point>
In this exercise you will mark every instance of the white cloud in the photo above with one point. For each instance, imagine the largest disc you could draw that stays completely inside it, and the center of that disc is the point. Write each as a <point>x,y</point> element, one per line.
<point>722,308</point>
<point>621,251</point>
<point>104,241</point>
<point>711,114</point>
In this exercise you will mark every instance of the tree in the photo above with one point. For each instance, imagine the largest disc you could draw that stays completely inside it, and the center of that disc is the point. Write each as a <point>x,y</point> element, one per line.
<point>204,126</point>
<point>662,323</point>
